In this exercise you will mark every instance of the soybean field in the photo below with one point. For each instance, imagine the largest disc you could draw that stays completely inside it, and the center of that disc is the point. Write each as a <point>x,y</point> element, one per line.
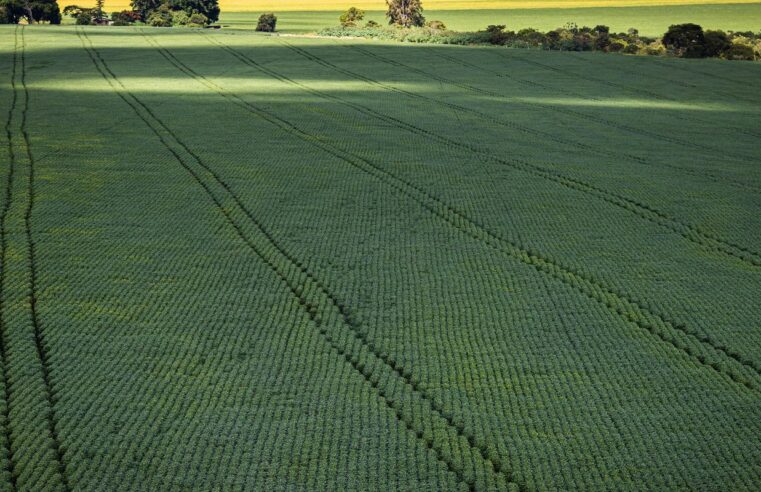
<point>242,262</point>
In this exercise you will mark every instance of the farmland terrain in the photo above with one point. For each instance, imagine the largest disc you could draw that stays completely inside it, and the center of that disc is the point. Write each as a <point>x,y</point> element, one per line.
<point>233,261</point>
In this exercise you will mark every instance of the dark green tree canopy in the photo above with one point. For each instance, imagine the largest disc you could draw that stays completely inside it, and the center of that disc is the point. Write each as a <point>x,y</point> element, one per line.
<point>12,11</point>
<point>405,13</point>
<point>144,8</point>
<point>267,23</point>
<point>209,8</point>
<point>685,40</point>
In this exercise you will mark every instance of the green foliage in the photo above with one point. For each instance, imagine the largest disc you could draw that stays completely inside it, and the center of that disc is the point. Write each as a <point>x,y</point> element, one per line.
<point>146,8</point>
<point>125,18</point>
<point>99,14</point>
<point>716,43</point>
<point>741,52</point>
<point>208,8</point>
<point>571,37</point>
<point>267,23</point>
<point>351,16</point>
<point>495,34</point>
<point>685,40</point>
<point>436,24</point>
<point>85,18</point>
<point>161,17</point>
<point>34,11</point>
<point>197,19</point>
<point>180,18</point>
<point>405,13</point>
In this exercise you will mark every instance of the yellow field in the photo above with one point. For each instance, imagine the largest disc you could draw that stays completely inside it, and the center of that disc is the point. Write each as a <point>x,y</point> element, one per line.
<point>286,5</point>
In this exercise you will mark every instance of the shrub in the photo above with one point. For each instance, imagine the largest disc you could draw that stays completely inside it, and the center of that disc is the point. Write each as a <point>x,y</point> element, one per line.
<point>602,41</point>
<point>371,24</point>
<point>161,17</point>
<point>197,19</point>
<point>125,18</point>
<point>495,34</point>
<point>716,43</point>
<point>84,19</point>
<point>351,16</point>
<point>740,52</point>
<point>655,48</point>
<point>531,37</point>
<point>583,41</point>
<point>632,48</point>
<point>267,23</point>
<point>180,18</point>
<point>685,40</point>
<point>617,45</point>
<point>208,8</point>
<point>436,25</point>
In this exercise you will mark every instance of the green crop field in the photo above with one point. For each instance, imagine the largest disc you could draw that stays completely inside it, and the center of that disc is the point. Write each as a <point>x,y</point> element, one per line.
<point>243,262</point>
<point>651,20</point>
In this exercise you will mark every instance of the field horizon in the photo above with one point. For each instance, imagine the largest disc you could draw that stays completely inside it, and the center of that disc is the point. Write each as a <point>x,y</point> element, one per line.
<point>434,5</point>
<point>650,20</point>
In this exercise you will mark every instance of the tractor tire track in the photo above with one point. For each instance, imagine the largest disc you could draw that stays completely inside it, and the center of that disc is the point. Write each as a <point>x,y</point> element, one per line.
<point>716,178</point>
<point>318,310</point>
<point>633,90</point>
<point>700,348</point>
<point>594,119</point>
<point>6,417</point>
<point>39,336</point>
<point>642,61</point>
<point>30,398</point>
<point>690,232</point>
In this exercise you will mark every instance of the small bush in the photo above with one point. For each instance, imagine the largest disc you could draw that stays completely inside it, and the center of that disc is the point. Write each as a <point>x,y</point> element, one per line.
<point>371,24</point>
<point>197,19</point>
<point>161,17</point>
<point>495,34</point>
<point>531,37</point>
<point>716,43</point>
<point>436,25</point>
<point>180,18</point>
<point>602,41</point>
<point>84,19</point>
<point>267,23</point>
<point>617,46</point>
<point>741,52</point>
<point>632,48</point>
<point>124,18</point>
<point>655,48</point>
<point>351,17</point>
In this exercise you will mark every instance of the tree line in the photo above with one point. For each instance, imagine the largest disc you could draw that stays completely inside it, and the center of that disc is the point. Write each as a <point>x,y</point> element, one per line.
<point>688,40</point>
<point>160,13</point>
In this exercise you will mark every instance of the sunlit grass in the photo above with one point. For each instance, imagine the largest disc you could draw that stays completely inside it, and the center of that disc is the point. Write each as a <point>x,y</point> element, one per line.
<point>241,85</point>
<point>632,103</point>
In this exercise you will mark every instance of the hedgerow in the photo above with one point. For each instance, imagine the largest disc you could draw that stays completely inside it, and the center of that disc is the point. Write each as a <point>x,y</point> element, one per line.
<point>730,45</point>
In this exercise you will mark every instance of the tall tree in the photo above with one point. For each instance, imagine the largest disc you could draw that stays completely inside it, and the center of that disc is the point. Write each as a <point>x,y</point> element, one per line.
<point>209,8</point>
<point>406,13</point>
<point>145,7</point>
<point>99,9</point>
<point>12,11</point>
